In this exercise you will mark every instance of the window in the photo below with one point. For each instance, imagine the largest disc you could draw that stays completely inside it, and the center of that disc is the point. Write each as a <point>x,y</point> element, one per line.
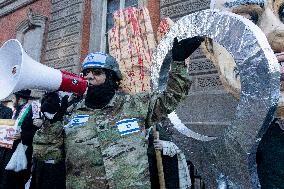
<point>30,33</point>
<point>112,6</point>
<point>102,20</point>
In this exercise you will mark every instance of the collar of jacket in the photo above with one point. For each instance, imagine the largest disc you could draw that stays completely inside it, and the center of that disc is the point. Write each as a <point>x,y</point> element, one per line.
<point>112,103</point>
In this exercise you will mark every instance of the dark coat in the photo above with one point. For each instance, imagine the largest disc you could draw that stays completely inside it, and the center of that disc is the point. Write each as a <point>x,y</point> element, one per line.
<point>46,175</point>
<point>170,164</point>
<point>270,161</point>
<point>11,179</point>
<point>5,112</point>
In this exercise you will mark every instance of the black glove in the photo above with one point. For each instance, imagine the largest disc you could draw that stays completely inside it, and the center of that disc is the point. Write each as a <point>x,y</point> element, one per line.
<point>51,104</point>
<point>183,49</point>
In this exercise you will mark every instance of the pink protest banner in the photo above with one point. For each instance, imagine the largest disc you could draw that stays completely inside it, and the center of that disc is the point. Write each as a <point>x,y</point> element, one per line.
<point>131,42</point>
<point>163,28</point>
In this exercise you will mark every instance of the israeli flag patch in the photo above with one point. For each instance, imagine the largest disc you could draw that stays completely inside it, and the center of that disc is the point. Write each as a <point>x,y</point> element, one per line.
<point>95,60</point>
<point>77,120</point>
<point>128,126</point>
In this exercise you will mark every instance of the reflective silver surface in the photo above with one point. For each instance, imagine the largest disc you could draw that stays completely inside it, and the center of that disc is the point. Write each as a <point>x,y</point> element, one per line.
<point>259,74</point>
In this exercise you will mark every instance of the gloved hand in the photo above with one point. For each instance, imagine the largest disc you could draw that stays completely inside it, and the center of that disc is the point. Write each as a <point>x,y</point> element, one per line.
<point>183,49</point>
<point>158,144</point>
<point>50,103</point>
<point>53,108</point>
<point>37,122</point>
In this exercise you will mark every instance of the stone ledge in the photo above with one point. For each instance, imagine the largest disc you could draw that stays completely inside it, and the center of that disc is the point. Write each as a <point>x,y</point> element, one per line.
<point>8,6</point>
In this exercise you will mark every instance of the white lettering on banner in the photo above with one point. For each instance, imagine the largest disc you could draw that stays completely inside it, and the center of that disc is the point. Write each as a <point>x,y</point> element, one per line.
<point>77,120</point>
<point>128,126</point>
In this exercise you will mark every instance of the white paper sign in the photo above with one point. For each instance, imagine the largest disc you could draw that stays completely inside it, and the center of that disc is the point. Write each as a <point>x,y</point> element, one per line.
<point>36,109</point>
<point>6,131</point>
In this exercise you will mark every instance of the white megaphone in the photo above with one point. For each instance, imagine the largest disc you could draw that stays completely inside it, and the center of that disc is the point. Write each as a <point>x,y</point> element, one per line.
<point>18,71</point>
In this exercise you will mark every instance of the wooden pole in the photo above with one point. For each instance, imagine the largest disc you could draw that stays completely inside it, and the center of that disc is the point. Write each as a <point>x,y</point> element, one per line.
<point>159,161</point>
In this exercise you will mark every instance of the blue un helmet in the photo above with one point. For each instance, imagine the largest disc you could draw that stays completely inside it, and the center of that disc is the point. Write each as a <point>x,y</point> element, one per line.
<point>102,61</point>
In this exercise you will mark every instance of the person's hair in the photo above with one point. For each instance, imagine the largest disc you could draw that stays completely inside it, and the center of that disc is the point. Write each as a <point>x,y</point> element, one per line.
<point>18,100</point>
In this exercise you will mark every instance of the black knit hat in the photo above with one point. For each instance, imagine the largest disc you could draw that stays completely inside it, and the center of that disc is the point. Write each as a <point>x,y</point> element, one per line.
<point>25,94</point>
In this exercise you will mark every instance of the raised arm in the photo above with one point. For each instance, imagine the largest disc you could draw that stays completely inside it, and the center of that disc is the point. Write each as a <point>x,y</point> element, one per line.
<point>161,103</point>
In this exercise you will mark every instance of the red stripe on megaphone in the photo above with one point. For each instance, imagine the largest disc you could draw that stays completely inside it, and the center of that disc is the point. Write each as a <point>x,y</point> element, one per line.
<point>73,83</point>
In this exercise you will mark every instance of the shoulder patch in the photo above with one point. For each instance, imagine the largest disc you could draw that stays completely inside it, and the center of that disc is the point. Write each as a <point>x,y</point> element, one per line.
<point>128,126</point>
<point>77,120</point>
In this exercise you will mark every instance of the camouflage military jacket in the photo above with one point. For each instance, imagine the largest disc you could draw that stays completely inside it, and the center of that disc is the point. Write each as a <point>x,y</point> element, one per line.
<point>106,147</point>
<point>48,142</point>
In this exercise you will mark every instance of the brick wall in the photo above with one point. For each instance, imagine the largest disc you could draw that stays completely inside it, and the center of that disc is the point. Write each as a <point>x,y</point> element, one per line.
<point>9,22</point>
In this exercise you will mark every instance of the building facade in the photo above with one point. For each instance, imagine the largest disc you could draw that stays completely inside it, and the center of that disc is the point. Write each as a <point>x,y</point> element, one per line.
<point>61,33</point>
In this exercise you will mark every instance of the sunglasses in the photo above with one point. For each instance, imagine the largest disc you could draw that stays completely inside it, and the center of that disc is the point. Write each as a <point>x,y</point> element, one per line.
<point>96,72</point>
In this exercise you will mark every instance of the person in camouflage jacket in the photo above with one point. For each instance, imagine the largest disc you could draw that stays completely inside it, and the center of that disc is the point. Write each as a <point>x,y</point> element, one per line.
<point>105,131</point>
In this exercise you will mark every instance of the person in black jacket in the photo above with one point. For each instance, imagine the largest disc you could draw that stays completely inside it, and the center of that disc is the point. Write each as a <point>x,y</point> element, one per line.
<point>5,112</point>
<point>23,116</point>
<point>269,156</point>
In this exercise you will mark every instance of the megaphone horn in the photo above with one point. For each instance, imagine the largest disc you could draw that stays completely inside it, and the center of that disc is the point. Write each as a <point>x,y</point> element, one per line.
<point>19,71</point>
